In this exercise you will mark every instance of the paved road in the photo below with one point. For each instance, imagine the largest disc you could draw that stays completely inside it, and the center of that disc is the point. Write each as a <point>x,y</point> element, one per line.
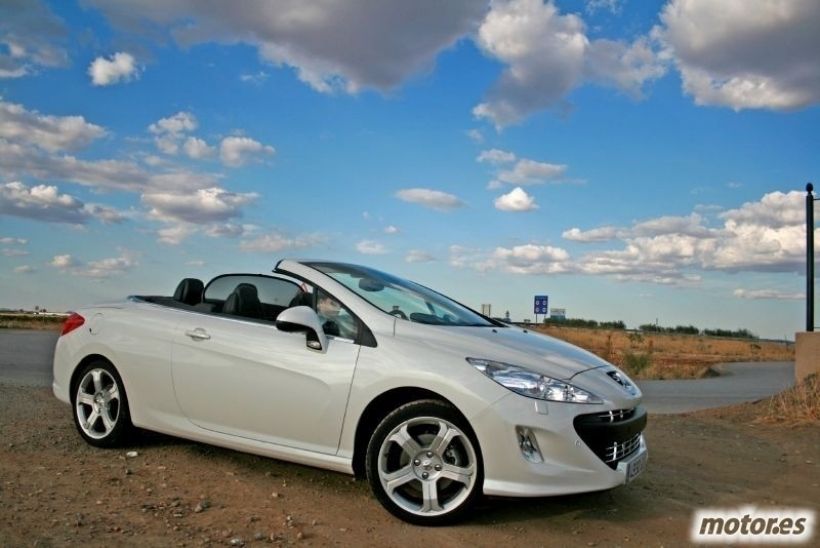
<point>739,382</point>
<point>26,356</point>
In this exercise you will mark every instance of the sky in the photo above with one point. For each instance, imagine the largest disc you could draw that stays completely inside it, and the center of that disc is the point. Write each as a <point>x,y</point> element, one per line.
<point>636,161</point>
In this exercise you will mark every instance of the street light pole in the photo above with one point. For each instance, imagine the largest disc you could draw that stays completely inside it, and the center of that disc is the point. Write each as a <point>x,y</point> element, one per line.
<point>809,257</point>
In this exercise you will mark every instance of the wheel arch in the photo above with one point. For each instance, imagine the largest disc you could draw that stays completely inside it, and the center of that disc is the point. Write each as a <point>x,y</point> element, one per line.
<point>75,374</point>
<point>381,406</point>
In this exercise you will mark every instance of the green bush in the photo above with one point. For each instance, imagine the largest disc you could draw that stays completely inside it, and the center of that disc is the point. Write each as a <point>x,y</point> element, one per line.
<point>636,363</point>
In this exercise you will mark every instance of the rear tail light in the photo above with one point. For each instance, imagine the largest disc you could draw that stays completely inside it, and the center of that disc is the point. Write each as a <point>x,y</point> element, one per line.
<point>71,323</point>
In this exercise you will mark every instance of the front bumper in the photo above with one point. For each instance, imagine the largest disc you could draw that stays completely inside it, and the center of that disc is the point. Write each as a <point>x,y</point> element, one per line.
<point>572,460</point>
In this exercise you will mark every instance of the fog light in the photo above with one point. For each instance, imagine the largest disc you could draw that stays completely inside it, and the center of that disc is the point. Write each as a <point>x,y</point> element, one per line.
<point>528,444</point>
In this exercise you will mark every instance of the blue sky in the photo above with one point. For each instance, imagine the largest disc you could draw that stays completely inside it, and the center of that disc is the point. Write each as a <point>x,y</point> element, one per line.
<point>633,160</point>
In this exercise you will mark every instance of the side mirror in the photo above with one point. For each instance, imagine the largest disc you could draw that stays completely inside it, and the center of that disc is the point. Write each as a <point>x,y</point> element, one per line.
<point>303,318</point>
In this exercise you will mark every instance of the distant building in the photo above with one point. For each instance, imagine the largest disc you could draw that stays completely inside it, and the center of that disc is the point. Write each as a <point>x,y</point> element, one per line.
<point>486,310</point>
<point>507,316</point>
<point>558,313</point>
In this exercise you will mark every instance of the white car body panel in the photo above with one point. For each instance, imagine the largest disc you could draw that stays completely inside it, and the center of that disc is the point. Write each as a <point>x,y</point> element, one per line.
<point>254,381</point>
<point>253,388</point>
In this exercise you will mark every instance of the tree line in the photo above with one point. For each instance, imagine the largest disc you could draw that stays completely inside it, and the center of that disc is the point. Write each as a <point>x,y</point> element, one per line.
<point>652,328</point>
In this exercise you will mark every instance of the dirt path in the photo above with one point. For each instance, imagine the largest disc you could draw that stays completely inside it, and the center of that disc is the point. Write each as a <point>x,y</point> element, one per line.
<point>56,490</point>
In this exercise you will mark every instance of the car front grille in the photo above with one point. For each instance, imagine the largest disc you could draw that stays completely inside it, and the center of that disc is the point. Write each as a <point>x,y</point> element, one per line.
<point>619,451</point>
<point>616,415</point>
<point>612,435</point>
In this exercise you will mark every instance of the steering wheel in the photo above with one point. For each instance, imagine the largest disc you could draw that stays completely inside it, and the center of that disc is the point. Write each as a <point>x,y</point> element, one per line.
<point>398,313</point>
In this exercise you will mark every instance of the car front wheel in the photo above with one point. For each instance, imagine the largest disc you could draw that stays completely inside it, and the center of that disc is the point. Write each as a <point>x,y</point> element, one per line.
<point>424,464</point>
<point>101,406</point>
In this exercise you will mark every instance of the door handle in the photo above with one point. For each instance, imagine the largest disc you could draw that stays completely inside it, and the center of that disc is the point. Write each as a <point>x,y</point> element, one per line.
<point>198,334</point>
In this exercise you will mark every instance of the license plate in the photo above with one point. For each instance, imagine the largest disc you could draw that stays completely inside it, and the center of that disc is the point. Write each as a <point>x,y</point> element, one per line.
<point>636,466</point>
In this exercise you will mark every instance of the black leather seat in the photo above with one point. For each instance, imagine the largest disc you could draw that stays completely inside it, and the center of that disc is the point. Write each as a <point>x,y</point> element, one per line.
<point>243,301</point>
<point>189,291</point>
<point>303,298</point>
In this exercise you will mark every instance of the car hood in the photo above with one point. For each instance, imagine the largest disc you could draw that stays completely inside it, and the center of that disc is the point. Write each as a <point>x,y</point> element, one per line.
<point>513,345</point>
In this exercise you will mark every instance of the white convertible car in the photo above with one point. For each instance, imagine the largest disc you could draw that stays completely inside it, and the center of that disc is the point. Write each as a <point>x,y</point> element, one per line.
<point>350,369</point>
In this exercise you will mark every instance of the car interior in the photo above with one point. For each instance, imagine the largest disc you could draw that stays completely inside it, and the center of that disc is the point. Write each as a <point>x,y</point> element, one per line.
<point>256,297</point>
<point>237,295</point>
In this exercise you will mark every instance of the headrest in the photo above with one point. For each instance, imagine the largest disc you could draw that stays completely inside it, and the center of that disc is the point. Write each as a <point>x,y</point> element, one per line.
<point>303,298</point>
<point>243,301</point>
<point>189,291</point>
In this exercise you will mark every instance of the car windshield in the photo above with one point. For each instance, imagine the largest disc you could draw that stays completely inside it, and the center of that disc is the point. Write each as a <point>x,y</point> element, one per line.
<point>402,298</point>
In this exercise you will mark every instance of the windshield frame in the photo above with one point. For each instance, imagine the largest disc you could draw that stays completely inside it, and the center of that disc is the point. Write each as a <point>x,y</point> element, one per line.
<point>405,285</point>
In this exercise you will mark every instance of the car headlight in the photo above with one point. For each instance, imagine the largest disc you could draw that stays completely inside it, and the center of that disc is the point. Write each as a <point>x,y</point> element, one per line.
<point>531,384</point>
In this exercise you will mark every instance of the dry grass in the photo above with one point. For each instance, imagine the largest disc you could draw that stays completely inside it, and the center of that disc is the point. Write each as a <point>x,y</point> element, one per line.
<point>669,356</point>
<point>798,405</point>
<point>30,321</point>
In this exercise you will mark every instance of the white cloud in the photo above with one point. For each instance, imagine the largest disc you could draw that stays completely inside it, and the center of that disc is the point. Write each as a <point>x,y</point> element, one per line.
<point>612,6</point>
<point>516,200</point>
<point>120,67</point>
<point>763,236</point>
<point>370,247</point>
<point>390,229</point>
<point>52,133</point>
<point>237,151</point>
<point>63,261</point>
<point>169,132</point>
<point>775,210</point>
<point>434,199</point>
<point>495,156</point>
<point>254,78</point>
<point>521,259</point>
<point>770,294</point>
<point>601,234</point>
<point>13,252</point>
<point>547,54</point>
<point>767,235</point>
<point>202,206</point>
<point>530,172</point>
<point>46,203</point>
<point>225,230</point>
<point>690,225</point>
<point>418,256</point>
<point>465,257</point>
<point>626,67</point>
<point>31,37</point>
<point>181,122</point>
<point>274,242</point>
<point>19,159</point>
<point>195,262</point>
<point>24,269</point>
<point>532,259</point>
<point>104,214</point>
<point>733,56</point>
<point>475,135</point>
<point>197,148</point>
<point>103,268</point>
<point>333,45</point>
<point>8,240</point>
<point>175,234</point>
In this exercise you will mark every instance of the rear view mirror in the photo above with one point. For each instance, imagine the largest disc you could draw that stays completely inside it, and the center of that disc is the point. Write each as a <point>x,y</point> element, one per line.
<point>303,318</point>
<point>370,285</point>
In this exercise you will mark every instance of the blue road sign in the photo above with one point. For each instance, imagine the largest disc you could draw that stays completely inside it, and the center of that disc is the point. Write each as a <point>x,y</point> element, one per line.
<point>541,304</point>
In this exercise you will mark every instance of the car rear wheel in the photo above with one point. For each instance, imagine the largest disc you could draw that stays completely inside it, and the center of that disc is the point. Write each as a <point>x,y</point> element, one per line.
<point>101,406</point>
<point>424,464</point>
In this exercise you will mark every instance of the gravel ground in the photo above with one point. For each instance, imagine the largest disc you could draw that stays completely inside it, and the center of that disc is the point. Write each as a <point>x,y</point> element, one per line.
<point>55,490</point>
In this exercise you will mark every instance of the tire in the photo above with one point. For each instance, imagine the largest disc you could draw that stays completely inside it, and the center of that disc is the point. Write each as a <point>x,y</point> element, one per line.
<point>424,464</point>
<point>100,405</point>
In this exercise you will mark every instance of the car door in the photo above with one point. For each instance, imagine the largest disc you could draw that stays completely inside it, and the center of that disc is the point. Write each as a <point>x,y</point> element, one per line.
<point>244,377</point>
